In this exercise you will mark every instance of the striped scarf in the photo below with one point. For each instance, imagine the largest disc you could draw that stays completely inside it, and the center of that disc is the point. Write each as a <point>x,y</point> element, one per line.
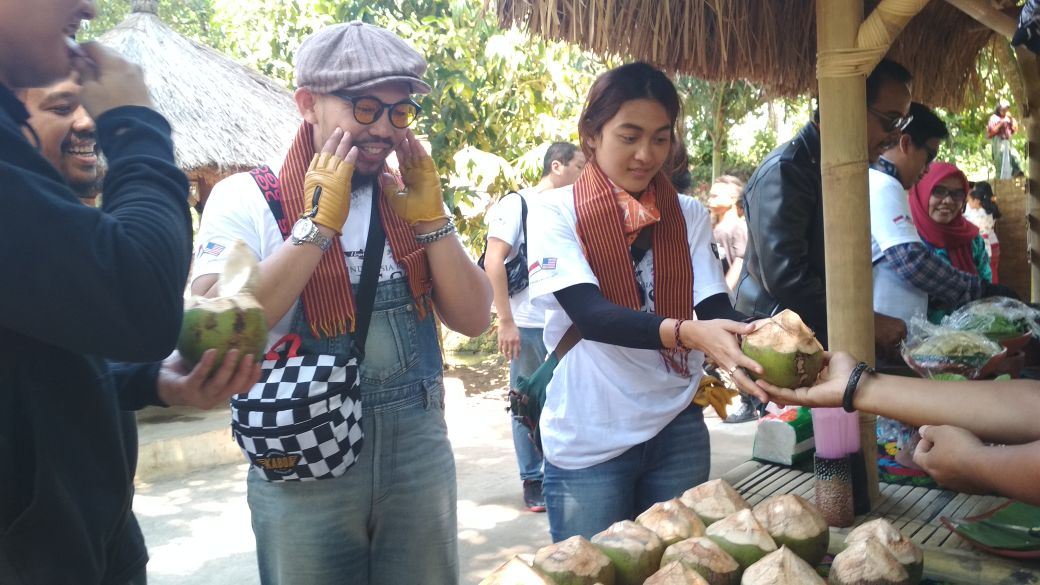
<point>601,231</point>
<point>328,300</point>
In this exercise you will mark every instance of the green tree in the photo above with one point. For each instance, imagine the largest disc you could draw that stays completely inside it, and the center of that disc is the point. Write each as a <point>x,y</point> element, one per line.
<point>711,109</point>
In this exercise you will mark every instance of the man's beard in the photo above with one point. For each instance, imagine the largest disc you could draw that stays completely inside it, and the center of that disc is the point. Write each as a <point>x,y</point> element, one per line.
<point>87,190</point>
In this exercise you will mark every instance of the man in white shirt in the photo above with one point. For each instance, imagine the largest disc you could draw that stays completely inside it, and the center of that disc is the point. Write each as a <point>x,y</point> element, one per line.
<point>730,230</point>
<point>519,323</point>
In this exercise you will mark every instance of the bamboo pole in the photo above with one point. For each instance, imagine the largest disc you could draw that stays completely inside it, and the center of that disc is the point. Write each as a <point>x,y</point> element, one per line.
<point>843,137</point>
<point>1029,67</point>
<point>984,12</point>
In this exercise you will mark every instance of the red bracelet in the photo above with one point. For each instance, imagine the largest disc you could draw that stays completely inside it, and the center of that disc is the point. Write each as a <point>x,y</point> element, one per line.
<point>678,340</point>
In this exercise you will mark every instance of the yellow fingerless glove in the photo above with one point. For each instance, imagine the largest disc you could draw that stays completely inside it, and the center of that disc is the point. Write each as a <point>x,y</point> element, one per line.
<point>421,200</point>
<point>332,175</point>
<point>712,393</point>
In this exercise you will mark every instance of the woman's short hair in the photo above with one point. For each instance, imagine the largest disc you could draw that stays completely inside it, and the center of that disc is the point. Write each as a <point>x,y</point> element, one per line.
<point>634,81</point>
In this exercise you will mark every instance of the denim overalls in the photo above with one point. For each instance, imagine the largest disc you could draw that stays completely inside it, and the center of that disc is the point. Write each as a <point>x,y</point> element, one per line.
<point>391,518</point>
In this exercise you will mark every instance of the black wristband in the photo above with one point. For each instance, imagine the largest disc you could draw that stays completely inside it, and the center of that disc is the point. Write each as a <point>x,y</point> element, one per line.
<point>850,387</point>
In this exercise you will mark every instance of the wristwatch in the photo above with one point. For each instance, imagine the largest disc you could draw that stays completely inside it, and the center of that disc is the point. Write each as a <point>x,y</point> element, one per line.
<point>304,231</point>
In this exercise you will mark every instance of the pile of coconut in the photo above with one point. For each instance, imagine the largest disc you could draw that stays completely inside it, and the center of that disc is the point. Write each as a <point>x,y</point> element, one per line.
<point>711,536</point>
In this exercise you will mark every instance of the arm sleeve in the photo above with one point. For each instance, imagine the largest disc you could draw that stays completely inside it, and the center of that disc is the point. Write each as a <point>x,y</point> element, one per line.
<point>718,307</point>
<point>779,217</point>
<point>600,320</point>
<point>917,265</point>
<point>106,282</point>
<point>136,384</point>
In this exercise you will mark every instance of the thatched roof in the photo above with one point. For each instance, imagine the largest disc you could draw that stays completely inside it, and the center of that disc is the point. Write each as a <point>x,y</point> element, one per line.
<point>771,43</point>
<point>225,116</point>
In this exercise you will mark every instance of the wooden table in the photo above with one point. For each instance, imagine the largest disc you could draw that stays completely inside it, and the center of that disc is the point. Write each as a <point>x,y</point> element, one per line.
<point>915,511</point>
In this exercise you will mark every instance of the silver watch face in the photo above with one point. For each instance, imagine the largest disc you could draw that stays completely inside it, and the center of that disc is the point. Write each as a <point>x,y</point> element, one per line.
<point>302,228</point>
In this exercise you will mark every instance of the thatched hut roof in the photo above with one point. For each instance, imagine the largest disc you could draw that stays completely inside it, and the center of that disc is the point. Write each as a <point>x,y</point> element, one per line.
<point>771,43</point>
<point>225,116</point>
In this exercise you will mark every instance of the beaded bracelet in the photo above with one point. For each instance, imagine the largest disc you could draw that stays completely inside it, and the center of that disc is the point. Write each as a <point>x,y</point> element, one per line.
<point>437,234</point>
<point>853,383</point>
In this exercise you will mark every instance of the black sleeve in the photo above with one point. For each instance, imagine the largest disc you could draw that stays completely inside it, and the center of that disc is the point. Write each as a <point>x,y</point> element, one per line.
<point>718,307</point>
<point>107,282</point>
<point>601,320</point>
<point>136,384</point>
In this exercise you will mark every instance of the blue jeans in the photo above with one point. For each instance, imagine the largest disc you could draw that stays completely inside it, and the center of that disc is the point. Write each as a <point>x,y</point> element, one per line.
<point>391,518</point>
<point>532,354</point>
<point>587,501</point>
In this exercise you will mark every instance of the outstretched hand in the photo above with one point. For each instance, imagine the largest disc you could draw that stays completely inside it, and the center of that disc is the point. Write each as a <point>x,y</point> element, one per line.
<point>180,385</point>
<point>828,390</point>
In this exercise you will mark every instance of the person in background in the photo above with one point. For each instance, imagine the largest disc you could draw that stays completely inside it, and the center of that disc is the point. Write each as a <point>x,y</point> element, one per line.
<point>937,204</point>
<point>1000,128</point>
<point>626,263</point>
<point>784,261</point>
<point>982,211</point>
<point>977,437</point>
<point>519,323</point>
<point>730,231</point>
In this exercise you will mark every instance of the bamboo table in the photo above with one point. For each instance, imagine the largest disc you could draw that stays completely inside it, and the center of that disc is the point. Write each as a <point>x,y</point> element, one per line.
<point>915,511</point>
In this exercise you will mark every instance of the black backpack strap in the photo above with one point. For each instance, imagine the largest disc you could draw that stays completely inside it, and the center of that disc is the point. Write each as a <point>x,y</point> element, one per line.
<point>370,266</point>
<point>268,183</point>
<point>523,214</point>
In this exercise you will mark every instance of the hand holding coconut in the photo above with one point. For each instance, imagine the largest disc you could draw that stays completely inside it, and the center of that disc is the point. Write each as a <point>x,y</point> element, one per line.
<point>717,339</point>
<point>181,385</point>
<point>327,183</point>
<point>829,388</point>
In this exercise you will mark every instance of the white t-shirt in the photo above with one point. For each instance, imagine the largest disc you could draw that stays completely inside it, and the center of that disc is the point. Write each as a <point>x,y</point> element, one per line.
<point>237,210</point>
<point>891,224</point>
<point>604,399</point>
<point>504,221</point>
<point>986,224</point>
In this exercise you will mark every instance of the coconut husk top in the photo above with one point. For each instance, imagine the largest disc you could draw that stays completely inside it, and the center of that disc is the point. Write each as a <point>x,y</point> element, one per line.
<point>741,528</point>
<point>575,557</point>
<point>781,567</point>
<point>785,332</point>
<point>867,561</point>
<point>703,552</point>
<point>791,516</point>
<point>714,500</point>
<point>672,521</point>
<point>675,573</point>
<point>904,549</point>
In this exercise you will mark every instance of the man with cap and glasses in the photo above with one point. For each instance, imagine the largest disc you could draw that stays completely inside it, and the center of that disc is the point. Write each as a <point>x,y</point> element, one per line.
<point>391,517</point>
<point>783,204</point>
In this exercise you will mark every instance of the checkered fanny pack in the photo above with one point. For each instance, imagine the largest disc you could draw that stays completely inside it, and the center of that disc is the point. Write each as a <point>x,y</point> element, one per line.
<point>302,421</point>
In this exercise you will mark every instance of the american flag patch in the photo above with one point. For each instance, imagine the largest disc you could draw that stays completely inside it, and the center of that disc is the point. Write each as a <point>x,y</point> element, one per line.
<point>212,249</point>
<point>548,263</point>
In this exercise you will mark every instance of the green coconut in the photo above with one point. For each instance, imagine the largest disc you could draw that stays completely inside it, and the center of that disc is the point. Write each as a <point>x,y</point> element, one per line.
<point>575,561</point>
<point>795,523</point>
<point>782,567</point>
<point>786,349</point>
<point>231,320</point>
<point>676,573</point>
<point>634,550</point>
<point>867,562</point>
<point>672,521</point>
<point>701,554</point>
<point>516,572</point>
<point>902,548</point>
<point>743,537</point>
<point>713,500</point>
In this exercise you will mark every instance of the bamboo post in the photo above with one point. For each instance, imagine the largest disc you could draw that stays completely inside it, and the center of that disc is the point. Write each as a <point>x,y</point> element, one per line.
<point>843,137</point>
<point>1029,66</point>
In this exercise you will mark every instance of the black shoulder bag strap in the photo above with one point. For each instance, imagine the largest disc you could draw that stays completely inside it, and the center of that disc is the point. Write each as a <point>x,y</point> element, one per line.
<point>366,297</point>
<point>268,183</point>
<point>523,216</point>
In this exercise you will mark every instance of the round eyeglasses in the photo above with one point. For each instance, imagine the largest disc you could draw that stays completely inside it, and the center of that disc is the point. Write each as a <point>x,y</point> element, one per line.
<point>890,123</point>
<point>369,109</point>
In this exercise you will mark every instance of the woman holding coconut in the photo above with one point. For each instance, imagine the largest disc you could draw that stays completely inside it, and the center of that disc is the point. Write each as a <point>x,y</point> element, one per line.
<point>627,261</point>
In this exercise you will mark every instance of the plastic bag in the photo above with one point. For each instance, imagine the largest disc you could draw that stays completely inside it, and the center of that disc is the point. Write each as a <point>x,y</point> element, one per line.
<point>933,349</point>
<point>998,318</point>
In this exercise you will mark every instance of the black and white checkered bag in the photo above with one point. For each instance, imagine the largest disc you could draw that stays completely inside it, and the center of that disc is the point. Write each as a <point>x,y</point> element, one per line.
<point>302,420</point>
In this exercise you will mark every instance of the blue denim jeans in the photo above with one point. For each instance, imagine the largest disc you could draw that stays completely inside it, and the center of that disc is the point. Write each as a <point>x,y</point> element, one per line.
<point>587,501</point>
<point>391,518</point>
<point>532,354</point>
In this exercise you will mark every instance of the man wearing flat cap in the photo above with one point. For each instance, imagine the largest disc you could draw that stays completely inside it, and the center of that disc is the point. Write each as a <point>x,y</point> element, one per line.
<point>390,518</point>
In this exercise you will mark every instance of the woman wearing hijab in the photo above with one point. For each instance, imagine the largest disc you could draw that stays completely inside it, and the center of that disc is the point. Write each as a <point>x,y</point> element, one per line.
<point>631,264</point>
<point>937,204</point>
